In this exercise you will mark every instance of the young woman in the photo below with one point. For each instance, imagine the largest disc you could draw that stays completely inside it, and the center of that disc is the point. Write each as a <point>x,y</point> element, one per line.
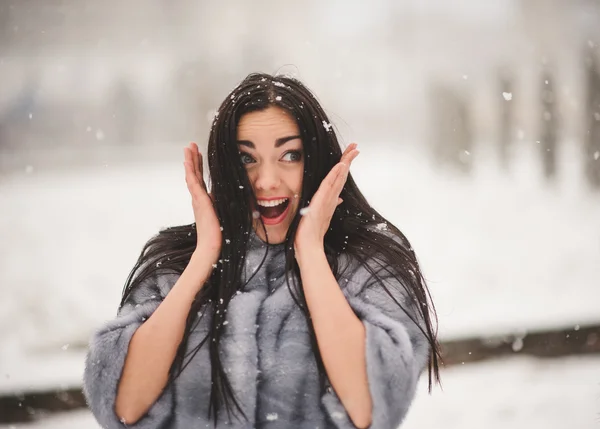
<point>289,303</point>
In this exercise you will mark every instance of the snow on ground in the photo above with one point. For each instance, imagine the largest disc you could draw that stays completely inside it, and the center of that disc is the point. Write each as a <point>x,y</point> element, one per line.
<point>40,372</point>
<point>518,393</point>
<point>501,253</point>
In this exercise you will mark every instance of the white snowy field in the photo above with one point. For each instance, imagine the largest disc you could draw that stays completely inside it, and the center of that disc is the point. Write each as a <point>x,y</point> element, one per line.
<point>518,393</point>
<point>502,253</point>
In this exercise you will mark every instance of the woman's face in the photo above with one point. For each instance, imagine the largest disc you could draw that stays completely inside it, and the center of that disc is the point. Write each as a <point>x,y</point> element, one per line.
<point>271,151</point>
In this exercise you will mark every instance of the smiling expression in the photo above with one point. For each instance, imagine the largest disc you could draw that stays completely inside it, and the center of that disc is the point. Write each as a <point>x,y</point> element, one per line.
<point>271,151</point>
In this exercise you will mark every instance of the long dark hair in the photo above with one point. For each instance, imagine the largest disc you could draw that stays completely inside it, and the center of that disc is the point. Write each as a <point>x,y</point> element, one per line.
<point>351,232</point>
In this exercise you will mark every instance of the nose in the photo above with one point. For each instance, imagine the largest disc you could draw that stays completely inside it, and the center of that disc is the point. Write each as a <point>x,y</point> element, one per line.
<point>267,179</point>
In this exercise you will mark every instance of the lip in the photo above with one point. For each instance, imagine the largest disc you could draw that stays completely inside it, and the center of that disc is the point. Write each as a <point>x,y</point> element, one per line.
<point>278,219</point>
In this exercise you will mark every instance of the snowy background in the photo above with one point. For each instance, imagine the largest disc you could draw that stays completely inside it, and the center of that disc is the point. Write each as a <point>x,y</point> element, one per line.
<point>94,112</point>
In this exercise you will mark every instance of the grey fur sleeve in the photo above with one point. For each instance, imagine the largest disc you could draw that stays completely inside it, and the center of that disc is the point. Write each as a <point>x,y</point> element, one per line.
<point>396,350</point>
<point>106,357</point>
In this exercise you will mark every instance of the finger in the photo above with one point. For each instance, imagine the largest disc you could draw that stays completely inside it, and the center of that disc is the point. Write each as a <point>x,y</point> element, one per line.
<point>340,180</point>
<point>193,184</point>
<point>340,201</point>
<point>187,155</point>
<point>198,166</point>
<point>349,149</point>
<point>332,176</point>
<point>197,159</point>
<point>194,153</point>
<point>327,191</point>
<point>351,157</point>
<point>190,178</point>
<point>350,154</point>
<point>342,177</point>
<point>190,175</point>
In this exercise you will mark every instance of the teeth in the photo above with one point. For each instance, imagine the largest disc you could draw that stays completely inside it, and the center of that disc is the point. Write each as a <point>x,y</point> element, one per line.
<point>272,203</point>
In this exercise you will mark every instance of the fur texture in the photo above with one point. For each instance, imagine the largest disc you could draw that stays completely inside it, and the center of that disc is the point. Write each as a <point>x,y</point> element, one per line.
<point>267,352</point>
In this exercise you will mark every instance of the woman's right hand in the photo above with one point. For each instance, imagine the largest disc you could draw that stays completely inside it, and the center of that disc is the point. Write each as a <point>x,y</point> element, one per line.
<point>208,228</point>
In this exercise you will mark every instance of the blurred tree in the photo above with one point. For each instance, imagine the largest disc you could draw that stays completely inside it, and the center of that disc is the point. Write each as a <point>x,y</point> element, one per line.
<point>193,90</point>
<point>125,112</point>
<point>5,30</point>
<point>592,120</point>
<point>505,131</point>
<point>549,126</point>
<point>451,129</point>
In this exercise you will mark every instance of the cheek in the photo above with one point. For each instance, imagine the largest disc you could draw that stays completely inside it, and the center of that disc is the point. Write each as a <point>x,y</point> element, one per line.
<point>251,177</point>
<point>299,178</point>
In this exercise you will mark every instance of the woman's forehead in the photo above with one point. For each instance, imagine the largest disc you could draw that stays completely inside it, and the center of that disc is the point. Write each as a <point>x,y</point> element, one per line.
<point>271,122</point>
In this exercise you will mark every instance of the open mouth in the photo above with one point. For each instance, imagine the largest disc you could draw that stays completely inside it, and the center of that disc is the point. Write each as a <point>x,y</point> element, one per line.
<point>273,211</point>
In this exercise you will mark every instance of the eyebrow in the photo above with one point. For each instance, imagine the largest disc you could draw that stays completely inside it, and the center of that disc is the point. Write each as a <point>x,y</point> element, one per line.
<point>279,142</point>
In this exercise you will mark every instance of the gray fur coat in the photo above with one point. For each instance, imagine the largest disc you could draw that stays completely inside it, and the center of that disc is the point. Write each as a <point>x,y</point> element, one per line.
<point>266,350</point>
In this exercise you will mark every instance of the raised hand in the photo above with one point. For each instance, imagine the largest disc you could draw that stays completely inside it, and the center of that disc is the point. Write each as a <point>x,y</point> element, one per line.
<point>315,221</point>
<point>208,228</point>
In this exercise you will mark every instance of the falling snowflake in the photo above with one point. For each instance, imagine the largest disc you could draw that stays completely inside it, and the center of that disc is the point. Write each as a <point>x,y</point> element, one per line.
<point>507,96</point>
<point>304,211</point>
<point>596,155</point>
<point>279,84</point>
<point>278,98</point>
<point>272,417</point>
<point>327,126</point>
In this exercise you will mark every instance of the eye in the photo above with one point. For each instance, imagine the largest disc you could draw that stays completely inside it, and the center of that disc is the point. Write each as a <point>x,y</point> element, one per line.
<point>246,159</point>
<point>292,156</point>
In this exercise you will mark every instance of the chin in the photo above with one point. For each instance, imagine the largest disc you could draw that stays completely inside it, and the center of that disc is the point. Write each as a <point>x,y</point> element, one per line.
<point>276,234</point>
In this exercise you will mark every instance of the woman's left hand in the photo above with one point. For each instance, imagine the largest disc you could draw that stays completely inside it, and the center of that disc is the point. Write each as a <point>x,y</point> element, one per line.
<point>317,216</point>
